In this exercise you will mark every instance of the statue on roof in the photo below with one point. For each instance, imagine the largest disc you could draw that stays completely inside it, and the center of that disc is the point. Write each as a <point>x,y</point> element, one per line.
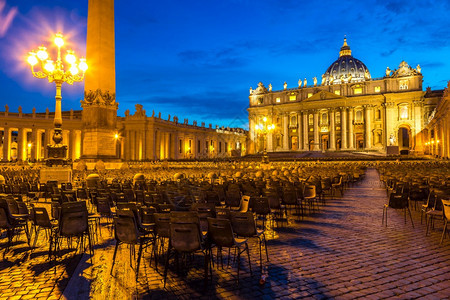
<point>388,72</point>
<point>315,80</point>
<point>270,87</point>
<point>285,85</point>
<point>419,69</point>
<point>299,83</point>
<point>305,83</point>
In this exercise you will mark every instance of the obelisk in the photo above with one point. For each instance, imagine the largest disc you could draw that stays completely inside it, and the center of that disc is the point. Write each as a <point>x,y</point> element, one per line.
<point>99,104</point>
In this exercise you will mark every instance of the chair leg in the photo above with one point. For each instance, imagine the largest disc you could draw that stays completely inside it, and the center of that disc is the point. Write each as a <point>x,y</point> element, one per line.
<point>114,256</point>
<point>410,216</point>
<point>444,231</point>
<point>249,261</point>
<point>166,265</point>
<point>138,260</point>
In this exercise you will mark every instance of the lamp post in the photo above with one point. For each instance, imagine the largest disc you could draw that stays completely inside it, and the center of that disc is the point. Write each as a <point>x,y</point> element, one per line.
<point>55,72</point>
<point>262,129</point>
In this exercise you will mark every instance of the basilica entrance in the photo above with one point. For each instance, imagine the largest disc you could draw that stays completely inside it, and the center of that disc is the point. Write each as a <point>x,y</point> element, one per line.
<point>325,145</point>
<point>294,142</point>
<point>359,141</point>
<point>404,134</point>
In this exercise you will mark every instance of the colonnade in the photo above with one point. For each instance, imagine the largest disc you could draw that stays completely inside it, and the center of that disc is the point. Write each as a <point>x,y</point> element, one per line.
<point>22,143</point>
<point>159,144</point>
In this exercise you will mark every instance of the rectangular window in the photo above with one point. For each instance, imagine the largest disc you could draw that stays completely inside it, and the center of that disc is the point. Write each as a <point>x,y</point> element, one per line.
<point>377,89</point>
<point>198,146</point>
<point>309,95</point>
<point>337,92</point>
<point>278,100</point>
<point>292,97</point>
<point>180,146</point>
<point>220,147</point>
<point>357,91</point>
<point>190,146</point>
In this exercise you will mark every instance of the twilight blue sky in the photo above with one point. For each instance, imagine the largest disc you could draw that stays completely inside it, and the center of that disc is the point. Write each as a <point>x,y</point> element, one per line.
<point>197,59</point>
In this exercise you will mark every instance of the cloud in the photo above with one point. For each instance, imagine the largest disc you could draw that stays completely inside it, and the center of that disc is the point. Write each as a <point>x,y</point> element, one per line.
<point>6,20</point>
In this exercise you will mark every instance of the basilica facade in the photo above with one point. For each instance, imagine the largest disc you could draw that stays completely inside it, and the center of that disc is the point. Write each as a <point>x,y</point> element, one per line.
<point>347,110</point>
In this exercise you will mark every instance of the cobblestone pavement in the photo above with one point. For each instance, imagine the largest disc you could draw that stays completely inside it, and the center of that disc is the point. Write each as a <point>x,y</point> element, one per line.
<point>342,252</point>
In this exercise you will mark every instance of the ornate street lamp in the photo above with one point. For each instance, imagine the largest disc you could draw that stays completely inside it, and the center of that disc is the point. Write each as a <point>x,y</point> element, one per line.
<point>262,129</point>
<point>57,72</point>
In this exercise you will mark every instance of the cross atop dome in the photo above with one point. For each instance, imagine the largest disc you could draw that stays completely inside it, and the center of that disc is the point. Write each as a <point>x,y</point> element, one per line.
<point>345,49</point>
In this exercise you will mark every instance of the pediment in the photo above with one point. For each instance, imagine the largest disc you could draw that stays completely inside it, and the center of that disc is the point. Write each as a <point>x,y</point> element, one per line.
<point>323,95</point>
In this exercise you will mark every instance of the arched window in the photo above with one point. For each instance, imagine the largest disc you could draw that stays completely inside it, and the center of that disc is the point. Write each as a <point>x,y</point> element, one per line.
<point>324,118</point>
<point>293,120</point>
<point>358,116</point>
<point>338,118</point>
<point>403,112</point>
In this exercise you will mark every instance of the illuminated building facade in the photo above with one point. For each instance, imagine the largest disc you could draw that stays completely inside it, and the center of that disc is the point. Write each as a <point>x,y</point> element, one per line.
<point>347,111</point>
<point>437,132</point>
<point>136,137</point>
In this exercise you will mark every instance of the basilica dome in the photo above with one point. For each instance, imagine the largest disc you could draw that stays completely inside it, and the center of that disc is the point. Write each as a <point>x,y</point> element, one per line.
<point>345,69</point>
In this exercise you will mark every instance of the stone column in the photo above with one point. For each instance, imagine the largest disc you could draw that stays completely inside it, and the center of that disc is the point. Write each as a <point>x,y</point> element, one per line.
<point>34,143</point>
<point>368,127</point>
<point>47,139</point>
<point>286,132</point>
<point>344,128</point>
<point>299,131</point>
<point>351,136</point>
<point>391,118</point>
<point>21,153</point>
<point>6,143</point>
<point>418,119</point>
<point>332,130</point>
<point>305,131</point>
<point>316,131</point>
<point>252,142</point>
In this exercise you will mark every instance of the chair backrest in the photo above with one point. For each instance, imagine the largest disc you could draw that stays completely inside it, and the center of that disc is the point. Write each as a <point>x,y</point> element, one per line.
<point>103,206</point>
<point>289,196</point>
<point>12,204</point>
<point>82,194</point>
<point>73,219</point>
<point>223,213</point>
<point>133,208</point>
<point>185,237</point>
<point>260,206</point>
<point>398,201</point>
<point>274,200</point>
<point>446,208</point>
<point>162,224</point>
<point>184,217</point>
<point>245,201</point>
<point>233,198</point>
<point>310,191</point>
<point>147,215</point>
<point>4,221</point>
<point>41,217</point>
<point>243,224</point>
<point>126,229</point>
<point>220,232</point>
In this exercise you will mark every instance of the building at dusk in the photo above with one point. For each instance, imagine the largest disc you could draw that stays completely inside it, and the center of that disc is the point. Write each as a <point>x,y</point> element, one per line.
<point>344,110</point>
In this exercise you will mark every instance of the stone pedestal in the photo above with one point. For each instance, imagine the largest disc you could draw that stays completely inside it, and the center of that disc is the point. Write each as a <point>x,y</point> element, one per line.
<point>99,144</point>
<point>392,150</point>
<point>60,174</point>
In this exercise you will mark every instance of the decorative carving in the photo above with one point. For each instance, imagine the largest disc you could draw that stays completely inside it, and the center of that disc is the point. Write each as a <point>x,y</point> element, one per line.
<point>99,97</point>
<point>127,113</point>
<point>323,95</point>
<point>404,70</point>
<point>261,89</point>
<point>139,111</point>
